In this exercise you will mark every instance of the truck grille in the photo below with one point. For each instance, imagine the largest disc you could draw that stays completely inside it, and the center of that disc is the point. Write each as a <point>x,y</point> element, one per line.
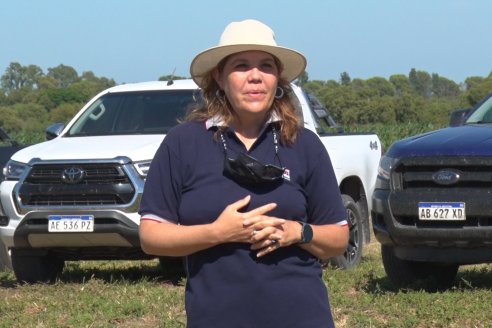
<point>421,172</point>
<point>95,173</point>
<point>71,184</point>
<point>442,179</point>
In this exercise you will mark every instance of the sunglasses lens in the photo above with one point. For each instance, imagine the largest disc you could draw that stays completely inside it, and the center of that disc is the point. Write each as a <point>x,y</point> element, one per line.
<point>248,170</point>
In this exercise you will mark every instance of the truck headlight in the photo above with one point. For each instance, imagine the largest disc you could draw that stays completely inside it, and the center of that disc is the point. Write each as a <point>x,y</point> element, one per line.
<point>142,168</point>
<point>13,170</point>
<point>384,170</point>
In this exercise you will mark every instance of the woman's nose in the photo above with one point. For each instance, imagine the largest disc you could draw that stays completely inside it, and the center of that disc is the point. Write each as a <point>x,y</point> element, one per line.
<point>254,74</point>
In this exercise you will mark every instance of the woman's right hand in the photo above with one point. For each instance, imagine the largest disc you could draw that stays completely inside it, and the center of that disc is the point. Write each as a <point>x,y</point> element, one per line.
<point>171,239</point>
<point>230,225</point>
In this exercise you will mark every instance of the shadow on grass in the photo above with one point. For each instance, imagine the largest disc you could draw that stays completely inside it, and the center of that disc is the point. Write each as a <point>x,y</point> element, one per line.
<point>110,272</point>
<point>466,280</point>
<point>76,273</point>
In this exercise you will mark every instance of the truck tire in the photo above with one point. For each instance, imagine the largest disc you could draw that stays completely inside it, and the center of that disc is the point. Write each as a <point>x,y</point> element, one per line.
<point>353,254</point>
<point>34,268</point>
<point>404,273</point>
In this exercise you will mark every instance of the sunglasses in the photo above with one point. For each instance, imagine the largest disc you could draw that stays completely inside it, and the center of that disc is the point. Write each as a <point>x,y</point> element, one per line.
<point>247,170</point>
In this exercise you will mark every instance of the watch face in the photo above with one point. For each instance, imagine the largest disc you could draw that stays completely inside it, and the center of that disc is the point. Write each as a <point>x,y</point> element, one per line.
<point>307,233</point>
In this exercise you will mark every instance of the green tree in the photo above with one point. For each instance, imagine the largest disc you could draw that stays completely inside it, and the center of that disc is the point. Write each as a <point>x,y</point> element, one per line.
<point>47,82</point>
<point>64,75</point>
<point>407,108</point>
<point>65,112</point>
<point>400,83</point>
<point>171,77</point>
<point>24,117</point>
<point>345,78</point>
<point>302,79</point>
<point>473,81</point>
<point>442,87</point>
<point>478,89</point>
<point>381,86</point>
<point>314,86</point>
<point>87,89</point>
<point>340,101</point>
<point>421,82</point>
<point>17,77</point>
<point>102,82</point>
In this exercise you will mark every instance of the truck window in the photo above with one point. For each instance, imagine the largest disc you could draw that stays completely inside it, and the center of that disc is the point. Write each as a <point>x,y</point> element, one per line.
<point>483,114</point>
<point>149,112</point>
<point>323,120</point>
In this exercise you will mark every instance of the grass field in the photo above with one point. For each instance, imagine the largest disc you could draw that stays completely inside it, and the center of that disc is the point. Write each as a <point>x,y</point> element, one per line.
<point>138,294</point>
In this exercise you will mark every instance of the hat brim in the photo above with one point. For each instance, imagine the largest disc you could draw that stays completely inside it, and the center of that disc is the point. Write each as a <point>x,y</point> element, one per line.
<point>294,63</point>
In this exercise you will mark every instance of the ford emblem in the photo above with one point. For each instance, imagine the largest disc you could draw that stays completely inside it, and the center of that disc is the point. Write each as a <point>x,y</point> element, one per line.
<point>446,177</point>
<point>73,175</point>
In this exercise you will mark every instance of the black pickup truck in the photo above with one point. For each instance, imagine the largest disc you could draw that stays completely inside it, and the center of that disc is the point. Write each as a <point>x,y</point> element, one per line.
<point>432,205</point>
<point>7,148</point>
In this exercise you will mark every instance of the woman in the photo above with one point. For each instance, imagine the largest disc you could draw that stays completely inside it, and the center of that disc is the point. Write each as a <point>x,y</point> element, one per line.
<point>245,193</point>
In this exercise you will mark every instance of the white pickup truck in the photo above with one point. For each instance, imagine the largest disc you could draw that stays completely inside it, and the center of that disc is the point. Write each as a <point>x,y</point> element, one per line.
<point>75,196</point>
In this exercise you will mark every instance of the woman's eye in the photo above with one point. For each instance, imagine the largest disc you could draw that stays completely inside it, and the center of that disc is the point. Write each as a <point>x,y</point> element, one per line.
<point>241,66</point>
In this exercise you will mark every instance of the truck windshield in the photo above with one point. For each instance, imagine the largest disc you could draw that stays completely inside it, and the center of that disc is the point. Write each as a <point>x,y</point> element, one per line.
<point>483,114</point>
<point>146,112</point>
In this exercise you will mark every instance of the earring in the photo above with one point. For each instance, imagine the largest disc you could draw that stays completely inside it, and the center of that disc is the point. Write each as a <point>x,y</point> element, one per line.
<point>220,94</point>
<point>279,93</point>
<point>220,97</point>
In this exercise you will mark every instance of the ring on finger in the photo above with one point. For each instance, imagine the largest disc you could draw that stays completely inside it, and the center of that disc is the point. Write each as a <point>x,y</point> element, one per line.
<point>273,241</point>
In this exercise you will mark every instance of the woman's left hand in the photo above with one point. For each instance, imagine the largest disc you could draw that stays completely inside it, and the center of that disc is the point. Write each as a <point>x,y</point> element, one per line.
<point>266,238</point>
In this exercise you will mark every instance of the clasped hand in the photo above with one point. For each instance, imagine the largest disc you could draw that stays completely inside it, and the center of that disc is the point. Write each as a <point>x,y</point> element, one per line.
<point>265,233</point>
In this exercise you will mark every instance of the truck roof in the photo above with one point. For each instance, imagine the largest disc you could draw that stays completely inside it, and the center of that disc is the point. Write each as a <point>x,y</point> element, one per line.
<point>154,85</point>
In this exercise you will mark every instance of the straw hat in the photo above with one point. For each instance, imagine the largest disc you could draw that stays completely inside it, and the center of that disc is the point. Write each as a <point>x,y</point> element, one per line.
<point>247,35</point>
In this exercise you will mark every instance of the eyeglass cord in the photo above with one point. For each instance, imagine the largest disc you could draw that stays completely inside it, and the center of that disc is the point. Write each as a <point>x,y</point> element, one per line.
<point>275,143</point>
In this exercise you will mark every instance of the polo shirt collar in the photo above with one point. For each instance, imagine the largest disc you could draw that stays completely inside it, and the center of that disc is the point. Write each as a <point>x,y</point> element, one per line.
<point>218,120</point>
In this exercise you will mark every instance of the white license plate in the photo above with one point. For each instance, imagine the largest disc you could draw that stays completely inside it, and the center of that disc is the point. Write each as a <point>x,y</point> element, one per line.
<point>70,223</point>
<point>452,211</point>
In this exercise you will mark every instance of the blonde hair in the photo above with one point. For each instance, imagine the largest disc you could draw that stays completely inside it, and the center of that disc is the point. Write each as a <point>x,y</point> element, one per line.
<point>216,104</point>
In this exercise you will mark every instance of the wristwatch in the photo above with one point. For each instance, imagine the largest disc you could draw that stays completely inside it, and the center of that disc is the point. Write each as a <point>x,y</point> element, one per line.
<point>306,232</point>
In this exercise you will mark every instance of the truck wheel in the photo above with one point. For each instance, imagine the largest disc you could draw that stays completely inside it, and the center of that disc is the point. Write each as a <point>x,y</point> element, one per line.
<point>404,273</point>
<point>33,269</point>
<point>353,254</point>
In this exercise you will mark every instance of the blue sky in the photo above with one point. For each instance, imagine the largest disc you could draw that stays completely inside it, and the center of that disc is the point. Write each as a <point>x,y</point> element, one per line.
<point>132,41</point>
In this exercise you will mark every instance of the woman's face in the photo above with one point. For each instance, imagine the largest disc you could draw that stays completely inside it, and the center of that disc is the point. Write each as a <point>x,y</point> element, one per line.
<point>249,80</point>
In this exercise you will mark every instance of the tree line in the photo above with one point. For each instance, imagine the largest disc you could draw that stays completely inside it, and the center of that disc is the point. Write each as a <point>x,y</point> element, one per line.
<point>418,97</point>
<point>31,99</point>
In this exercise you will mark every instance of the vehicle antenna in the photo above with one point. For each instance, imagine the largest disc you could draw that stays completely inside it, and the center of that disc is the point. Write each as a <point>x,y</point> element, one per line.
<point>170,81</point>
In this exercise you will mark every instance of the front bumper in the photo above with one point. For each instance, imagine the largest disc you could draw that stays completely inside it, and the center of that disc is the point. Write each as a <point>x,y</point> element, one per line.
<point>115,234</point>
<point>395,223</point>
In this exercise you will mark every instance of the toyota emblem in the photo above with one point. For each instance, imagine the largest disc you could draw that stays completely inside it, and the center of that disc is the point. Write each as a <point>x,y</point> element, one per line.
<point>73,175</point>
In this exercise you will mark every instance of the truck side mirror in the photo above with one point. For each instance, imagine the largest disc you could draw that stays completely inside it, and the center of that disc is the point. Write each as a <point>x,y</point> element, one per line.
<point>458,116</point>
<point>54,130</point>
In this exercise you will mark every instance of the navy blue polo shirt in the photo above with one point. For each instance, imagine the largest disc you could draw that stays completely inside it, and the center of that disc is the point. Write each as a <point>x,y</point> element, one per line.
<point>227,285</point>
